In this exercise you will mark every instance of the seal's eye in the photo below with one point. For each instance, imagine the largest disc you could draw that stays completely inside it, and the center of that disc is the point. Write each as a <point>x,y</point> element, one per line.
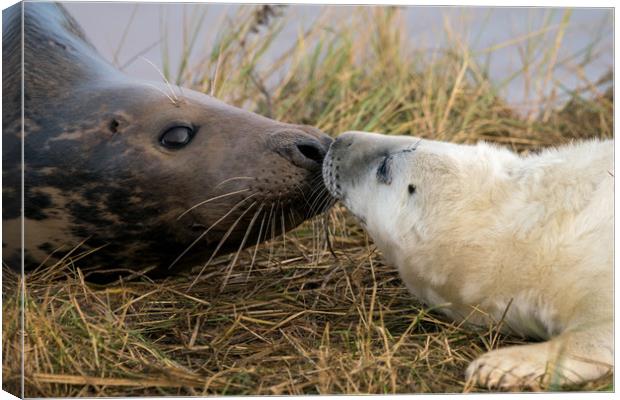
<point>411,189</point>
<point>176,137</point>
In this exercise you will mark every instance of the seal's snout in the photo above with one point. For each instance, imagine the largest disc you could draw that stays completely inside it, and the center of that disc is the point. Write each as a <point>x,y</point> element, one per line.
<point>312,150</point>
<point>303,149</point>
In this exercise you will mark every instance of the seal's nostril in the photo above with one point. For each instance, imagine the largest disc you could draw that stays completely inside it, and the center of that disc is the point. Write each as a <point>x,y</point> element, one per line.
<point>312,151</point>
<point>305,150</point>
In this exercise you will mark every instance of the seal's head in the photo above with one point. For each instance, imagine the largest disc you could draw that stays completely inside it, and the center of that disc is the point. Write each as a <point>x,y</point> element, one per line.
<point>403,189</point>
<point>156,174</point>
<point>184,169</point>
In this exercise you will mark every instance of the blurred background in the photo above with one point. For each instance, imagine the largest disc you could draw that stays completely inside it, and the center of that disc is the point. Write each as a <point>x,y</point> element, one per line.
<point>513,44</point>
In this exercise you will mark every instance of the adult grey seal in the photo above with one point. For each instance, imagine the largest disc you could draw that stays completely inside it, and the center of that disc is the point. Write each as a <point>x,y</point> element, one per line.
<point>147,173</point>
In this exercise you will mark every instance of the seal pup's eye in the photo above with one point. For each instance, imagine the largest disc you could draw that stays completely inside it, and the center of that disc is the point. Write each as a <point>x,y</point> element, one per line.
<point>411,189</point>
<point>176,137</point>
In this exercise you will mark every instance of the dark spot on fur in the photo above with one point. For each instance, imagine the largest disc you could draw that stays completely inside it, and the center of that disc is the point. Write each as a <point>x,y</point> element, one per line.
<point>80,231</point>
<point>88,213</point>
<point>37,203</point>
<point>46,247</point>
<point>411,189</point>
<point>384,173</point>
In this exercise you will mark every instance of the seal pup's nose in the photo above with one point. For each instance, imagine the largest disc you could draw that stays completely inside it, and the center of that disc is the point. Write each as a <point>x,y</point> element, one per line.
<point>344,140</point>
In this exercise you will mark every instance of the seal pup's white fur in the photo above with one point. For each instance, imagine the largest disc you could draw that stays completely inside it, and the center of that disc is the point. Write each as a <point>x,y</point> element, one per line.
<point>489,232</point>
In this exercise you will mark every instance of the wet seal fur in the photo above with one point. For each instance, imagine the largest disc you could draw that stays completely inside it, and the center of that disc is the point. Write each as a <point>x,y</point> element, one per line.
<point>489,236</point>
<point>149,174</point>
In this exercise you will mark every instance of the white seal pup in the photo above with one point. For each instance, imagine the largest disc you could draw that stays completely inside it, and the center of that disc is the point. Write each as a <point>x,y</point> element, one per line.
<point>492,234</point>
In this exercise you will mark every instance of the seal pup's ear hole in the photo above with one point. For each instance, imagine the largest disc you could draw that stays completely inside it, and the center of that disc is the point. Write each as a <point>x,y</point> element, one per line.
<point>411,189</point>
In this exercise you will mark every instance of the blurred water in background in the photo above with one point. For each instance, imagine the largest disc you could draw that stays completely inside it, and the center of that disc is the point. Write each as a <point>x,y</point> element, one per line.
<point>502,38</point>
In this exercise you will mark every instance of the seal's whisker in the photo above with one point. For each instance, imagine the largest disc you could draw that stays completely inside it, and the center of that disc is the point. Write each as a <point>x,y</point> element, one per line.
<point>323,205</point>
<point>316,183</point>
<point>324,221</point>
<point>321,199</point>
<point>300,190</point>
<point>221,243</point>
<point>256,246</point>
<point>315,190</point>
<point>283,224</point>
<point>272,222</point>
<point>164,78</point>
<point>318,193</point>
<point>233,179</point>
<point>328,241</point>
<point>181,90</point>
<point>280,206</point>
<point>298,187</point>
<point>317,198</point>
<point>241,246</point>
<point>316,179</point>
<point>291,216</point>
<point>318,188</point>
<point>159,89</point>
<point>211,199</point>
<point>275,220</point>
<point>202,235</point>
<point>321,220</point>
<point>267,225</point>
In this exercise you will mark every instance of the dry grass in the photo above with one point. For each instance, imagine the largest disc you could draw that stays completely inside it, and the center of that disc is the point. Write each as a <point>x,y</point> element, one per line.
<point>300,320</point>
